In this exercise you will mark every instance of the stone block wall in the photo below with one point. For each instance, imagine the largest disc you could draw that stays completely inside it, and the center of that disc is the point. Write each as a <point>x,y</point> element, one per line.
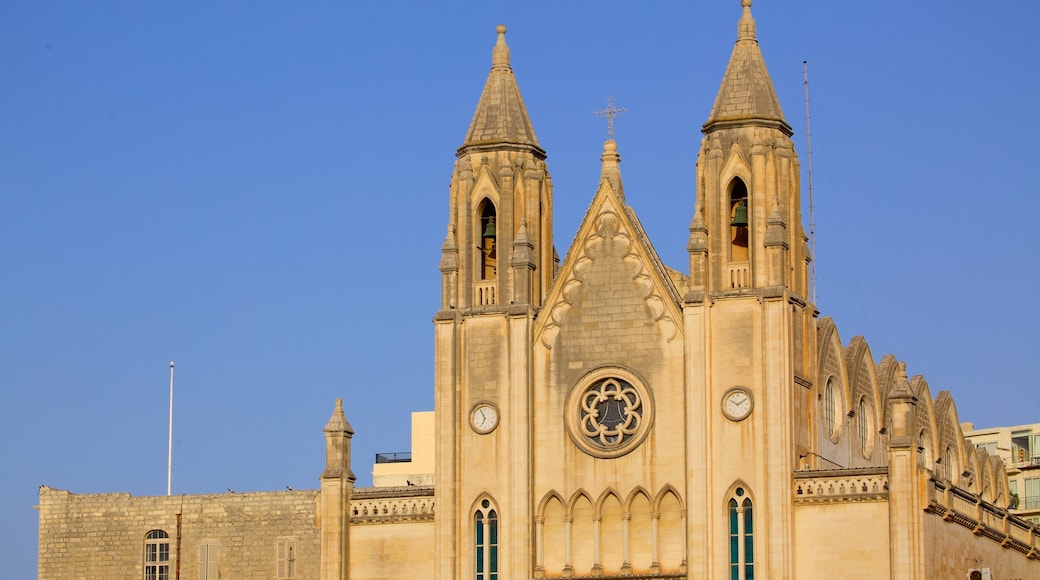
<point>94,536</point>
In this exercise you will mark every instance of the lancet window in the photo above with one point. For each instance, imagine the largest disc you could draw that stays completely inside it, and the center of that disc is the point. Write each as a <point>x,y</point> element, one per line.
<point>485,531</point>
<point>739,215</point>
<point>741,536</point>
<point>488,233</point>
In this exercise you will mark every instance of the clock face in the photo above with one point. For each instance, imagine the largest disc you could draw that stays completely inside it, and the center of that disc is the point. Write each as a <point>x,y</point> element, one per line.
<point>484,418</point>
<point>737,404</point>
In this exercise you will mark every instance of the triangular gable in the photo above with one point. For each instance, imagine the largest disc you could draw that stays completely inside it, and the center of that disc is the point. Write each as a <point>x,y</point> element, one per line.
<point>611,231</point>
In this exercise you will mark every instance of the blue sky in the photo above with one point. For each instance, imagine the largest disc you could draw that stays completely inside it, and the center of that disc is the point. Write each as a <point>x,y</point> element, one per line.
<point>258,191</point>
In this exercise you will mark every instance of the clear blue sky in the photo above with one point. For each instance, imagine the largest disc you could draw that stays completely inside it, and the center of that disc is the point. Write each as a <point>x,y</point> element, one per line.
<point>258,191</point>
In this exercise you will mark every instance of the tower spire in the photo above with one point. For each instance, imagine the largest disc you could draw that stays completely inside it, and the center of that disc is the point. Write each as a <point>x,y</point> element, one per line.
<point>501,118</point>
<point>746,96</point>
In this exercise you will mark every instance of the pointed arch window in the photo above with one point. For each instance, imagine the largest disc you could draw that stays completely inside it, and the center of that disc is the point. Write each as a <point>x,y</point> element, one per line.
<point>830,409</point>
<point>739,214</point>
<point>157,555</point>
<point>741,536</point>
<point>485,526</point>
<point>865,424</point>
<point>924,446</point>
<point>488,241</point>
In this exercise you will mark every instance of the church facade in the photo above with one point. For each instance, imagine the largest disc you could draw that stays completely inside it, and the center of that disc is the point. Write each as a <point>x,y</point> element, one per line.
<point>608,416</point>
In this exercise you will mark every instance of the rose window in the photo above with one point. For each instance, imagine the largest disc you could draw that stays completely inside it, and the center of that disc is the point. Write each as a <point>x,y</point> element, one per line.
<point>610,414</point>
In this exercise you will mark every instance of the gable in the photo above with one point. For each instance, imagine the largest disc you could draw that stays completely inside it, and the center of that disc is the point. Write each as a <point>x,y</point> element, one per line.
<point>612,285</point>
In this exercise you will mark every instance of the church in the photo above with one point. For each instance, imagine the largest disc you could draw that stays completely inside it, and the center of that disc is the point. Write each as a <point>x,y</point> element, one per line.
<point>608,416</point>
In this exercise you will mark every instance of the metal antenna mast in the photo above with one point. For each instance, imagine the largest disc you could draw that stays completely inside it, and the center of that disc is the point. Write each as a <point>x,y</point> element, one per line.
<point>812,206</point>
<point>169,456</point>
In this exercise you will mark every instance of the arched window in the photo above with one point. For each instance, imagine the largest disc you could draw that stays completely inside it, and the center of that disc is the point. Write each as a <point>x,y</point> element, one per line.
<point>157,555</point>
<point>924,449</point>
<point>741,537</point>
<point>739,217</point>
<point>864,427</point>
<point>485,525</point>
<point>488,242</point>
<point>830,409</point>
<point>948,463</point>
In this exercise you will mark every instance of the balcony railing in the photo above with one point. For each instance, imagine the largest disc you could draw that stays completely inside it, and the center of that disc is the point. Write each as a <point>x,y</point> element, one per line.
<point>739,275</point>
<point>486,293</point>
<point>400,457</point>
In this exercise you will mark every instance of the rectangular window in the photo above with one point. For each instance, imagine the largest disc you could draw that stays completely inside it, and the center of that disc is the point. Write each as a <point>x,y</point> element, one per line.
<point>209,554</point>
<point>1020,452</point>
<point>286,559</point>
<point>1032,494</point>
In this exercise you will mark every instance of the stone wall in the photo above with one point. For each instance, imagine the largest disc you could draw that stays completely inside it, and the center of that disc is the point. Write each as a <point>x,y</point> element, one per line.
<point>103,535</point>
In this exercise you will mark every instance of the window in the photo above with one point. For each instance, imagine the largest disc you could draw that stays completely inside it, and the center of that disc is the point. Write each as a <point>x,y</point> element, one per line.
<point>286,554</point>
<point>741,537</point>
<point>738,219</point>
<point>864,427</point>
<point>488,238</point>
<point>1032,493</point>
<point>948,463</point>
<point>209,554</point>
<point>924,449</point>
<point>485,525</point>
<point>157,555</point>
<point>830,413</point>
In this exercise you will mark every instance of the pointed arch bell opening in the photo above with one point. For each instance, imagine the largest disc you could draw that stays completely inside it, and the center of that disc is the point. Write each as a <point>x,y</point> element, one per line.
<point>739,214</point>
<point>739,221</point>
<point>486,223</point>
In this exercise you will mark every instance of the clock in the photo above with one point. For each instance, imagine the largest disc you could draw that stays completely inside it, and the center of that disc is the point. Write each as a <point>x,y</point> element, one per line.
<point>737,404</point>
<point>484,418</point>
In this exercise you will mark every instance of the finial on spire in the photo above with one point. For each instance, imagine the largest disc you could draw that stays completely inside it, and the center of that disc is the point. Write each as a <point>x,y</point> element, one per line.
<point>610,112</point>
<point>746,27</point>
<point>611,170</point>
<point>500,56</point>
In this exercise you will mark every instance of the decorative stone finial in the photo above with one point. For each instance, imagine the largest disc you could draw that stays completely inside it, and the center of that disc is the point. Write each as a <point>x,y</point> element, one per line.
<point>610,170</point>
<point>338,422</point>
<point>500,56</point>
<point>746,26</point>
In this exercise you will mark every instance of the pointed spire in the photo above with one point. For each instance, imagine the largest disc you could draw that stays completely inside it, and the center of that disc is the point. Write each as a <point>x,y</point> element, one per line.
<point>338,422</point>
<point>449,252</point>
<point>611,170</point>
<point>746,95</point>
<point>501,117</point>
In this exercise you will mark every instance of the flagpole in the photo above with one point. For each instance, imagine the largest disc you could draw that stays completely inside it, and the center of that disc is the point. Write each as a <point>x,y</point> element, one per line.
<point>169,455</point>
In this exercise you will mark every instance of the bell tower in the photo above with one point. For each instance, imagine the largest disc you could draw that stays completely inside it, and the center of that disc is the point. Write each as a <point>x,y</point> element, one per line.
<point>747,230</point>
<point>750,329</point>
<point>497,263</point>
<point>501,203</point>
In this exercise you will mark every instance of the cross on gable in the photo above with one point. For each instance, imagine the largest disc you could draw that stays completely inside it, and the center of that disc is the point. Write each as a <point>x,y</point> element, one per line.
<point>610,112</point>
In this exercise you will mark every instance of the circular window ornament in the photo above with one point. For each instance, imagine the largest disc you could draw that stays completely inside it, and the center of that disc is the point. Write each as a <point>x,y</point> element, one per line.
<point>609,412</point>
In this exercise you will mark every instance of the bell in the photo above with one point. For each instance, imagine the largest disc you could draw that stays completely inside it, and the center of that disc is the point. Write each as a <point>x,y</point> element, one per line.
<point>740,216</point>
<point>489,232</point>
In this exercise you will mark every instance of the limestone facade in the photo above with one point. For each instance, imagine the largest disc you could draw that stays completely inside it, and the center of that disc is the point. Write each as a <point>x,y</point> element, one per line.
<point>610,417</point>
